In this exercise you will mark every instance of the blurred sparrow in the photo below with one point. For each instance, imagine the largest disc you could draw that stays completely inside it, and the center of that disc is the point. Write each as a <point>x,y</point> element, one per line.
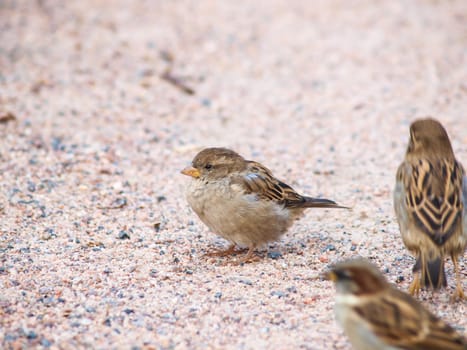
<point>377,316</point>
<point>429,200</point>
<point>241,201</point>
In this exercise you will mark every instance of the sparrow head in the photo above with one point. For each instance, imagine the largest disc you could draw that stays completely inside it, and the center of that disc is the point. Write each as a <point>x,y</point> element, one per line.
<point>215,163</point>
<point>428,137</point>
<point>357,277</point>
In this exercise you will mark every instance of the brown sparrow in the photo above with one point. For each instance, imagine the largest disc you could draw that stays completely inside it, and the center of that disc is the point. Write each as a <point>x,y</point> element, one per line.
<point>429,200</point>
<point>241,201</point>
<point>377,316</point>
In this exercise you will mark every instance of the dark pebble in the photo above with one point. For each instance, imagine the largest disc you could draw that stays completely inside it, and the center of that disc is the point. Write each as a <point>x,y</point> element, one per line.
<point>400,279</point>
<point>274,255</point>
<point>161,199</point>
<point>10,337</point>
<point>31,186</point>
<point>57,144</point>
<point>245,281</point>
<point>123,235</point>
<point>46,343</point>
<point>329,248</point>
<point>119,202</point>
<point>129,311</point>
<point>31,335</point>
<point>107,322</point>
<point>353,248</point>
<point>278,293</point>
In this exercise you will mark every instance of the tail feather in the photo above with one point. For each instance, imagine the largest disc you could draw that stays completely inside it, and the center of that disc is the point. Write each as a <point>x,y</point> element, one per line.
<point>311,202</point>
<point>433,275</point>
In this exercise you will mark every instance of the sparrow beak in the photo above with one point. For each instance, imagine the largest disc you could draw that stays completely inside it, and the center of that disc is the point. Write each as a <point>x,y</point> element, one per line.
<point>329,275</point>
<point>190,171</point>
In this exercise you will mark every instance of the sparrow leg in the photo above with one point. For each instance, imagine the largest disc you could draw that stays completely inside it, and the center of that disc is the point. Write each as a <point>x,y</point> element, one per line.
<point>226,252</point>
<point>414,288</point>
<point>459,294</point>
<point>249,257</point>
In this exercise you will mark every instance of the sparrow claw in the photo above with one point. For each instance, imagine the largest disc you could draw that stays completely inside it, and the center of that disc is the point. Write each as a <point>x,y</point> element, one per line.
<point>248,258</point>
<point>458,295</point>
<point>221,253</point>
<point>414,288</point>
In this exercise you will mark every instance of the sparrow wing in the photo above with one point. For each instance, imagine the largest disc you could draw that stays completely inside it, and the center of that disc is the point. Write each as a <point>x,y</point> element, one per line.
<point>432,190</point>
<point>402,323</point>
<point>258,179</point>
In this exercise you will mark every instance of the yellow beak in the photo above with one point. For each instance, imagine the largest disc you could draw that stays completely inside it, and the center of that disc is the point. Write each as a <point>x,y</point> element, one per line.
<point>190,171</point>
<point>330,276</point>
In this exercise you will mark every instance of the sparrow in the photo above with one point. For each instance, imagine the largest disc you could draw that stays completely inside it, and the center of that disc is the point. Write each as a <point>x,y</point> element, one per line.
<point>241,201</point>
<point>377,316</point>
<point>430,204</point>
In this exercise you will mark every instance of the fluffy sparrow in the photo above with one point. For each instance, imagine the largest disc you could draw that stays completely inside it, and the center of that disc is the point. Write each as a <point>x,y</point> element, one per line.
<point>429,200</point>
<point>377,316</point>
<point>241,201</point>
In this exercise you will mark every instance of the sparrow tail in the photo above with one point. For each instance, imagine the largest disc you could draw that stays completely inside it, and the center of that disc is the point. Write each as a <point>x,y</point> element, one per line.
<point>320,203</point>
<point>433,275</point>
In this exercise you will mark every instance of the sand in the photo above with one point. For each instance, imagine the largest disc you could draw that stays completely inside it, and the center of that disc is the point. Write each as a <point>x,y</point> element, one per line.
<point>102,103</point>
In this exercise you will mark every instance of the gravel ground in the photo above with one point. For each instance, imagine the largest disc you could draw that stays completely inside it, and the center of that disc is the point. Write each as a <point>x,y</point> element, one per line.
<point>102,103</point>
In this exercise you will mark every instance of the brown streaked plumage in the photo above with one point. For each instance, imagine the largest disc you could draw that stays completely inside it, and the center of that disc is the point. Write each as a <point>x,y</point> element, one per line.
<point>242,201</point>
<point>377,316</point>
<point>429,200</point>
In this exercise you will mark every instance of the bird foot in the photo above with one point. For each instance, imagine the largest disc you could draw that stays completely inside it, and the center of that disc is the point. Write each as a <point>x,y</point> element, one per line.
<point>414,288</point>
<point>221,252</point>
<point>458,295</point>
<point>248,260</point>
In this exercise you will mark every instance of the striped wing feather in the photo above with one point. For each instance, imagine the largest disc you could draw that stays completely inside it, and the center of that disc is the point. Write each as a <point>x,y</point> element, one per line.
<point>433,196</point>
<point>401,322</point>
<point>259,180</point>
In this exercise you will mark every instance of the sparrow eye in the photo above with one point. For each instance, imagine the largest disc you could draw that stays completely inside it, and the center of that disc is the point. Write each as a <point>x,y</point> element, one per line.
<point>208,166</point>
<point>343,274</point>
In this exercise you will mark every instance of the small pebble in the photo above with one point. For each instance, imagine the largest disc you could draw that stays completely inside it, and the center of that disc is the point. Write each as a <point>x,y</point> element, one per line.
<point>31,335</point>
<point>278,293</point>
<point>123,235</point>
<point>31,186</point>
<point>246,281</point>
<point>274,255</point>
<point>46,343</point>
<point>329,248</point>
